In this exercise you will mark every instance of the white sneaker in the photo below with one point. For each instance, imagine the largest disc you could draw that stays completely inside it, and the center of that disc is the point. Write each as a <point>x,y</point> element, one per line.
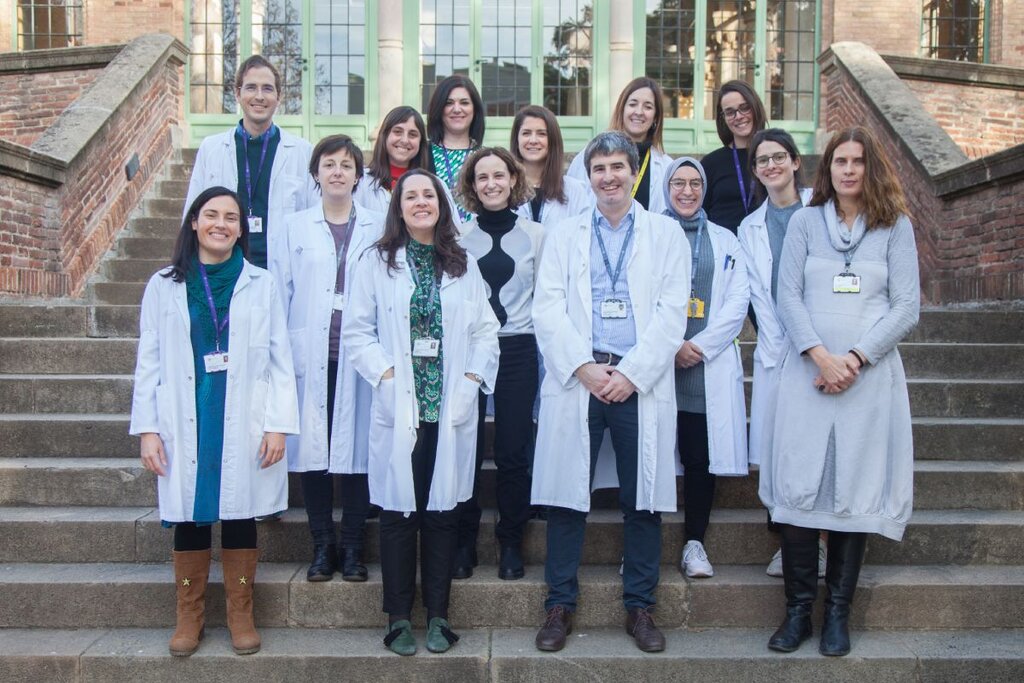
<point>695,561</point>
<point>822,557</point>
<point>775,566</point>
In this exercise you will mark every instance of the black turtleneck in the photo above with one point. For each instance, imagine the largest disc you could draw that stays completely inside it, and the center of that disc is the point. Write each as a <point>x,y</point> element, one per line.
<point>499,222</point>
<point>643,192</point>
<point>496,266</point>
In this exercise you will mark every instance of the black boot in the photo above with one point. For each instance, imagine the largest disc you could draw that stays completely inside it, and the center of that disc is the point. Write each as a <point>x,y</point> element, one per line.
<point>510,566</point>
<point>800,575</point>
<point>352,567</point>
<point>845,556</point>
<point>465,560</point>
<point>323,566</point>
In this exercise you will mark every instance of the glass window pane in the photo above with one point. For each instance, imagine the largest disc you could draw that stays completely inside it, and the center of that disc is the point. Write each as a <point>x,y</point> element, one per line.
<point>343,64</point>
<point>953,29</point>
<point>213,57</point>
<point>671,31</point>
<point>729,47</point>
<point>444,43</point>
<point>790,77</point>
<point>568,56</point>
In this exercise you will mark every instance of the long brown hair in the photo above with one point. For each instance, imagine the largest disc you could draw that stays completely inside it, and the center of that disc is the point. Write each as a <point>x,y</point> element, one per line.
<point>450,257</point>
<point>750,97</point>
<point>552,184</point>
<point>618,121</point>
<point>438,100</point>
<point>380,164</point>
<point>882,197</point>
<point>465,190</point>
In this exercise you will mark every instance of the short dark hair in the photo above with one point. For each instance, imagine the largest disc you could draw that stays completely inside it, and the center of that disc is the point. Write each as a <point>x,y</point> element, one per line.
<point>552,181</point>
<point>330,145</point>
<point>654,135</point>
<point>186,247</point>
<point>781,137</point>
<point>451,258</point>
<point>612,142</point>
<point>435,110</point>
<point>465,189</point>
<point>751,98</point>
<point>255,62</point>
<point>380,162</point>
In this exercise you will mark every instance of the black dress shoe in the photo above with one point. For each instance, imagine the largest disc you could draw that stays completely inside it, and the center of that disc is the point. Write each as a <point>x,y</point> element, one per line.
<point>511,567</point>
<point>465,560</point>
<point>640,625</point>
<point>557,625</point>
<point>352,567</point>
<point>323,566</point>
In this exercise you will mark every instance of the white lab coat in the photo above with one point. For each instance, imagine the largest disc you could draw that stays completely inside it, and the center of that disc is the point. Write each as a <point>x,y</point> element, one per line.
<point>308,281</point>
<point>260,396</point>
<point>376,332</point>
<point>658,165</point>
<point>291,187</point>
<point>658,270</point>
<point>723,369</point>
<point>371,195</point>
<point>772,341</point>
<point>578,199</point>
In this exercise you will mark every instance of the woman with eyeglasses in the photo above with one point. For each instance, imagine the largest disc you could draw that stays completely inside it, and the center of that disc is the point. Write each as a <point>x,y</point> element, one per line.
<point>842,455</point>
<point>739,114</point>
<point>711,419</point>
<point>640,114</point>
<point>775,166</point>
<point>537,144</point>
<point>455,123</point>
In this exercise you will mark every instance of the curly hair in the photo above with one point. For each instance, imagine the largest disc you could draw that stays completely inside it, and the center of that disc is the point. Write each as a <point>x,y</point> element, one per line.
<point>465,190</point>
<point>882,198</point>
<point>451,258</point>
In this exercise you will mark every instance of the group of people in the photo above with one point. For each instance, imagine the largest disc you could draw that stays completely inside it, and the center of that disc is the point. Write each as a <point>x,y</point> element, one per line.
<point>354,323</point>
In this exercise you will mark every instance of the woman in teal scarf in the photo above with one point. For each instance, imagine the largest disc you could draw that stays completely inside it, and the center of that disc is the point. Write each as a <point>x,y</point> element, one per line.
<point>214,398</point>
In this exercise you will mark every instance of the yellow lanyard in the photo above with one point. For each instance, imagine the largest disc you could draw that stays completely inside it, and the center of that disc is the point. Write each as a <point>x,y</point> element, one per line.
<point>640,175</point>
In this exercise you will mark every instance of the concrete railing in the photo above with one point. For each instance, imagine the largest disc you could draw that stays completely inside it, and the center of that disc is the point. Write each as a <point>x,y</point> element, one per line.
<point>69,189</point>
<point>967,213</point>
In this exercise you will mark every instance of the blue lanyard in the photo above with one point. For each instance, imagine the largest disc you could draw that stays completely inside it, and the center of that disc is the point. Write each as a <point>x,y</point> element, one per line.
<point>246,138</point>
<point>696,256</point>
<point>433,288</point>
<point>739,178</point>
<point>604,251</point>
<point>217,328</point>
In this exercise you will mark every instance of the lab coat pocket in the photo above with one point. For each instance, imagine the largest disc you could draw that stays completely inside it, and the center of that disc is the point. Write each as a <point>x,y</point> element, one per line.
<point>165,415</point>
<point>464,400</point>
<point>383,410</point>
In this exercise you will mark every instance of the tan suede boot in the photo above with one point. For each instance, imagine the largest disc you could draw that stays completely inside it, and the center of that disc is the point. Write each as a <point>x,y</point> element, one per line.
<point>239,572</point>
<point>191,571</point>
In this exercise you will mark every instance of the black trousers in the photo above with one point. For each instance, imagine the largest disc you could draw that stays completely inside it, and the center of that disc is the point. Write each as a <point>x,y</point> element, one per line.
<point>235,534</point>
<point>698,482</point>
<point>318,491</point>
<point>515,391</point>
<point>437,531</point>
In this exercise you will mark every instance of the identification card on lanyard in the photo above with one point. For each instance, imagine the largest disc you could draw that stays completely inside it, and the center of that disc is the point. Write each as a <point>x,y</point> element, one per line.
<point>613,308</point>
<point>695,306</point>
<point>339,296</point>
<point>216,360</point>
<point>426,348</point>
<point>255,222</point>
<point>846,283</point>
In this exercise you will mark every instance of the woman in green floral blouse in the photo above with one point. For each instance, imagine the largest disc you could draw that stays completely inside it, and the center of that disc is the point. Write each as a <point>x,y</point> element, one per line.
<point>421,331</point>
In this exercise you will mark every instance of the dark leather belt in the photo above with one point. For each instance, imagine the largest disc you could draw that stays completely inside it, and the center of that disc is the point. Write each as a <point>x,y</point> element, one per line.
<point>605,358</point>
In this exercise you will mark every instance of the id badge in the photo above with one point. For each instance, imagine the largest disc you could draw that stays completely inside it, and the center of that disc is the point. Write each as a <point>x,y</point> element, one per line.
<point>339,301</point>
<point>216,361</point>
<point>846,283</point>
<point>613,308</point>
<point>426,348</point>
<point>695,308</point>
<point>255,224</point>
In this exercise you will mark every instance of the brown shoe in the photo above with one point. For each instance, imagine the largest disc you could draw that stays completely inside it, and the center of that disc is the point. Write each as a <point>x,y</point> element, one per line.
<point>239,572</point>
<point>191,571</point>
<point>640,625</point>
<point>557,625</point>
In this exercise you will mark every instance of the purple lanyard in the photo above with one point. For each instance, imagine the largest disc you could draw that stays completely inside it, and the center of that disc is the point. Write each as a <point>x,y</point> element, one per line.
<point>739,177</point>
<point>263,157</point>
<point>448,165</point>
<point>217,328</point>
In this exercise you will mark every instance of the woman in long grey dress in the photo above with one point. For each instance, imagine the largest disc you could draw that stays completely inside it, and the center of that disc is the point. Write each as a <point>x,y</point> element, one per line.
<point>842,455</point>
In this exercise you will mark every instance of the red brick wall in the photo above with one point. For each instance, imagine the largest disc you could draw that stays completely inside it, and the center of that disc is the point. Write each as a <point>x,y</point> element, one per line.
<point>31,102</point>
<point>52,238</point>
<point>971,246</point>
<point>889,26</point>
<point>980,120</point>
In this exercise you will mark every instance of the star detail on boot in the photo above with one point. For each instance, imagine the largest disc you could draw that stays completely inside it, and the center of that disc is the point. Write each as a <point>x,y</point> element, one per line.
<point>186,581</point>
<point>242,581</point>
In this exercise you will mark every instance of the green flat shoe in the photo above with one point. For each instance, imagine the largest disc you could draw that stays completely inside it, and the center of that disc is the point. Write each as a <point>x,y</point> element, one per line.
<point>440,636</point>
<point>399,638</point>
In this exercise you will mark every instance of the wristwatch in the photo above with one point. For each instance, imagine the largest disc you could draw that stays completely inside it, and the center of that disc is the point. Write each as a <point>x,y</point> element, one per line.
<point>475,377</point>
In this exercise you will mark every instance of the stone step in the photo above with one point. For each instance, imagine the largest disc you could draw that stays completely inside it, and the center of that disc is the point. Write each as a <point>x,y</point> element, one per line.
<point>68,320</point>
<point>142,595</point>
<point>157,207</point>
<point>69,355</point>
<point>178,171</point>
<point>735,537</point>
<point>176,189</point>
<point>41,394</point>
<point>969,326</point>
<point>147,226</point>
<point>133,269</point>
<point>508,655</point>
<point>966,398</point>
<point>119,293</point>
<point>963,361</point>
<point>147,247</point>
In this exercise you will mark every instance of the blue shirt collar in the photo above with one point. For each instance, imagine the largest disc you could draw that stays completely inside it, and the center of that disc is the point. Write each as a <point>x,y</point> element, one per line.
<point>244,134</point>
<point>600,221</point>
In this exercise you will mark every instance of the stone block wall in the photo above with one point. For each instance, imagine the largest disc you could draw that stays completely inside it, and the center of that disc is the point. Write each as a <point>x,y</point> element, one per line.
<point>115,21</point>
<point>31,102</point>
<point>968,215</point>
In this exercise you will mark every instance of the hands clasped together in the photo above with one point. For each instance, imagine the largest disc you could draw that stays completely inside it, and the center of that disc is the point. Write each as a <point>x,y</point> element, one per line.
<point>835,373</point>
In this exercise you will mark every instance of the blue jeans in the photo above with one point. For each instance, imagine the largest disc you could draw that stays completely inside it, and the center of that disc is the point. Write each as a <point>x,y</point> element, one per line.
<point>642,529</point>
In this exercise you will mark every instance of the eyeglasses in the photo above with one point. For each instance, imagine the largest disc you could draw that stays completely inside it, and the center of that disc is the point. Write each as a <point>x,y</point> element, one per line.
<point>252,89</point>
<point>679,183</point>
<point>778,159</point>
<point>741,110</point>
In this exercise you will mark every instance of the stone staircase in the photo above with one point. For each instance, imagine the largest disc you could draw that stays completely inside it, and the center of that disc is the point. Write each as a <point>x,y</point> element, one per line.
<point>86,593</point>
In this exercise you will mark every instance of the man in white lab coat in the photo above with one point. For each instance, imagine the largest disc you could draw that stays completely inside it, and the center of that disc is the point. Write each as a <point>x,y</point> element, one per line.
<point>609,312</point>
<point>267,167</point>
